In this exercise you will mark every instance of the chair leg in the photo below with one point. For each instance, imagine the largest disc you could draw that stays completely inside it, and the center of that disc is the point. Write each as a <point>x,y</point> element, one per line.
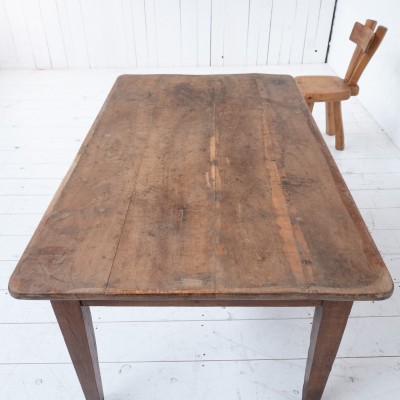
<point>330,123</point>
<point>310,105</point>
<point>338,125</point>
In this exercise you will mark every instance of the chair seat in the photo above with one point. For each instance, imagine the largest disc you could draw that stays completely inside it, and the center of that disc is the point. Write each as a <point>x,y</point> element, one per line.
<point>324,88</point>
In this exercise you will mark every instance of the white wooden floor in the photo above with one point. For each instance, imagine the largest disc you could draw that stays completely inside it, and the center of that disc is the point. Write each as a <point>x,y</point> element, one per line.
<point>156,354</point>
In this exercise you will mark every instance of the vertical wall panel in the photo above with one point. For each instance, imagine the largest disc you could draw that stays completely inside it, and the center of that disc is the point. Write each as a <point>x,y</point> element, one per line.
<point>189,24</point>
<point>253,32</point>
<point>73,31</point>
<point>53,33</point>
<point>236,24</point>
<point>37,35</point>
<point>299,31</point>
<point>23,48</point>
<point>266,9</point>
<point>162,33</point>
<point>311,30</point>
<point>8,51</point>
<point>168,26</point>
<point>318,29</point>
<point>140,32</point>
<point>203,33</point>
<point>151,32</point>
<point>129,33</point>
<point>323,31</point>
<point>105,35</point>
<point>217,32</point>
<point>281,33</point>
<point>287,32</point>
<point>257,35</point>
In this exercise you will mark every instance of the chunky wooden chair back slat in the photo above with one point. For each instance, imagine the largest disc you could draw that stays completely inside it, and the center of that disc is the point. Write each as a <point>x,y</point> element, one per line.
<point>366,56</point>
<point>370,25</point>
<point>333,90</point>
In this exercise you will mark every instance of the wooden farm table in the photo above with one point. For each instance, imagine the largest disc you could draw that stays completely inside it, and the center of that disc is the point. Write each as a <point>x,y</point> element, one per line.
<point>202,191</point>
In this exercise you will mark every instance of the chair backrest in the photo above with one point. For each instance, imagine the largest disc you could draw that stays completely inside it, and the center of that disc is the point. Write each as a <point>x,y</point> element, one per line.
<point>367,41</point>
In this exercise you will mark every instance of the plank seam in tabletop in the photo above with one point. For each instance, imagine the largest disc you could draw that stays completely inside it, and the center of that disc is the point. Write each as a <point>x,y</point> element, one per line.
<point>71,169</point>
<point>342,189</point>
<point>214,140</point>
<point>131,196</point>
<point>123,225</point>
<point>284,219</point>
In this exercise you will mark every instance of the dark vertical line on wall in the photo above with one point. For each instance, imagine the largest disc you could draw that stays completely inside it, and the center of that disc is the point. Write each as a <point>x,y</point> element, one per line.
<point>269,33</point>
<point>248,28</point>
<point>223,34</point>
<point>328,47</point>
<point>62,34</point>
<point>180,27</point>
<point>133,32</point>
<point>305,33</point>
<point>84,32</point>
<point>45,34</point>
<point>317,28</point>
<point>155,30</point>
<point>125,34</point>
<point>211,21</point>
<point>319,16</point>
<point>258,44</point>
<point>10,27</point>
<point>197,33</point>
<point>258,37</point>
<point>147,34</point>
<point>29,38</point>
<point>281,40</point>
<point>294,30</point>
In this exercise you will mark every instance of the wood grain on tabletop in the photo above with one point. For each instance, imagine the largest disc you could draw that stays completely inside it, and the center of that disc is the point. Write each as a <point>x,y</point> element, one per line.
<point>203,186</point>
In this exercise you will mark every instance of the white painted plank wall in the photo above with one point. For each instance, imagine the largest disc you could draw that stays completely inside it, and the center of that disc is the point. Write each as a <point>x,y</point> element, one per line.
<point>51,34</point>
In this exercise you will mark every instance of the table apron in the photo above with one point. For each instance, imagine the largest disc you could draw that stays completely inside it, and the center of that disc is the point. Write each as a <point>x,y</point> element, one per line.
<point>202,303</point>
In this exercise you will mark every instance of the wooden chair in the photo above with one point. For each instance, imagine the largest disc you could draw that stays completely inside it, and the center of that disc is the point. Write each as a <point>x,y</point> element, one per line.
<point>332,89</point>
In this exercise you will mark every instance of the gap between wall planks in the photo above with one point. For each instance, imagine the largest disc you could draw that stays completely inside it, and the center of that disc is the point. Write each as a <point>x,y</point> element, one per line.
<point>53,34</point>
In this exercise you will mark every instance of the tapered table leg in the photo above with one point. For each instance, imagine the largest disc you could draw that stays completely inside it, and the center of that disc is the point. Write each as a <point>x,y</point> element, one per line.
<point>327,331</point>
<point>76,325</point>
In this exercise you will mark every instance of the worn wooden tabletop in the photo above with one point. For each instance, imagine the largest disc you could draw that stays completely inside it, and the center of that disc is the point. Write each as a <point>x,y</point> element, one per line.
<point>203,187</point>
